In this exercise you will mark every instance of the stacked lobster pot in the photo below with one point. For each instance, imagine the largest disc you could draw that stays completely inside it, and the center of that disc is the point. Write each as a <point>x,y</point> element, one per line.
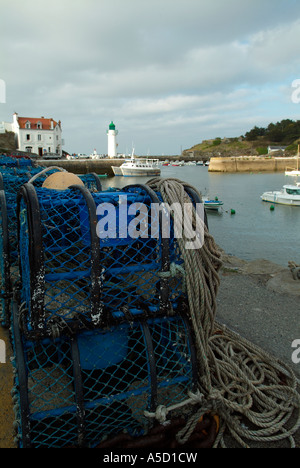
<point>12,177</point>
<point>11,180</point>
<point>97,332</point>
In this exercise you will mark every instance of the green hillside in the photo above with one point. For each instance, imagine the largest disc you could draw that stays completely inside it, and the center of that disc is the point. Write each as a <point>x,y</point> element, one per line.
<point>255,142</point>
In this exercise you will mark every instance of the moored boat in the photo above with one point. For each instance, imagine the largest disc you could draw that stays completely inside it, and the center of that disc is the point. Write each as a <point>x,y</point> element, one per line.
<point>117,170</point>
<point>138,167</point>
<point>212,204</point>
<point>288,195</point>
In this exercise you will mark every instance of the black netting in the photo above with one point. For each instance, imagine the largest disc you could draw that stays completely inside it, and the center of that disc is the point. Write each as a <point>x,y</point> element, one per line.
<point>11,180</point>
<point>97,330</point>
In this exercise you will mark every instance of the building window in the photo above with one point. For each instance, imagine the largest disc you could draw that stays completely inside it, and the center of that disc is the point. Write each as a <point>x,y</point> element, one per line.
<point>39,137</point>
<point>28,137</point>
<point>39,125</point>
<point>27,125</point>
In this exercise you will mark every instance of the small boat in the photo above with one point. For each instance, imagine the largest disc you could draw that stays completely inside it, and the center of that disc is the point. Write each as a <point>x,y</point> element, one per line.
<point>178,163</point>
<point>293,173</point>
<point>288,195</point>
<point>212,204</point>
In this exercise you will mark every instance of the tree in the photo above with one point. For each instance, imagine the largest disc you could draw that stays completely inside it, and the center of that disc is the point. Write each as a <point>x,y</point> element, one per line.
<point>255,133</point>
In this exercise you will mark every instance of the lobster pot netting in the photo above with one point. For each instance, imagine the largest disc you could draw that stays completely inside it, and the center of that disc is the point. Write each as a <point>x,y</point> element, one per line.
<point>98,336</point>
<point>19,163</point>
<point>84,266</point>
<point>79,391</point>
<point>11,180</point>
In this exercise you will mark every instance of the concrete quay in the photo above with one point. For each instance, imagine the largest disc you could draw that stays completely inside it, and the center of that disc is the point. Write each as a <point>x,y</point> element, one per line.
<point>83,166</point>
<point>252,164</point>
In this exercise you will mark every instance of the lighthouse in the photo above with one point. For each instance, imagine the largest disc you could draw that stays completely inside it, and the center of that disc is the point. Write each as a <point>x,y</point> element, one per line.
<point>112,142</point>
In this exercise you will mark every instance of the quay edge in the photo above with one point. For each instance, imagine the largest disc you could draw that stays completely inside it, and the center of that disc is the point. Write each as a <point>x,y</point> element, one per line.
<point>251,164</point>
<point>83,166</point>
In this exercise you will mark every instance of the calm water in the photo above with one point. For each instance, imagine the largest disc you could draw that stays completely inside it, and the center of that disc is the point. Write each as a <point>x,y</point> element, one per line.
<point>254,231</point>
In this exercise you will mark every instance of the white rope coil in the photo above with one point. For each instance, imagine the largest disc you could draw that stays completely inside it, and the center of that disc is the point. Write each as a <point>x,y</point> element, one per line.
<point>255,395</point>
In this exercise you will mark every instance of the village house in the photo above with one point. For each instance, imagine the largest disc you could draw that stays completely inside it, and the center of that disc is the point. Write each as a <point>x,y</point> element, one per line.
<point>273,149</point>
<point>37,135</point>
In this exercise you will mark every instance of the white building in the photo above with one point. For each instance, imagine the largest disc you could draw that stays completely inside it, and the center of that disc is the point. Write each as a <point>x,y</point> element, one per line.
<point>272,149</point>
<point>112,141</point>
<point>37,135</point>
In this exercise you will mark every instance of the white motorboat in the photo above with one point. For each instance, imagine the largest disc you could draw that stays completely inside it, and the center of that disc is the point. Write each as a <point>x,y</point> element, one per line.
<point>138,167</point>
<point>288,195</point>
<point>141,167</point>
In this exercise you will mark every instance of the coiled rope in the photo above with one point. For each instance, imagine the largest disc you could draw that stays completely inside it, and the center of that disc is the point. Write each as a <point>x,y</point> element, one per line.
<point>254,394</point>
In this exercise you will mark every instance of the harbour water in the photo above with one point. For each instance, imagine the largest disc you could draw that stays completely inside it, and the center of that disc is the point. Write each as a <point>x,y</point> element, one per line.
<point>254,231</point>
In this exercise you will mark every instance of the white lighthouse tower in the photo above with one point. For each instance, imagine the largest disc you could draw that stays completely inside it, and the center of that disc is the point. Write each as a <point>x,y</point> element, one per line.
<point>112,142</point>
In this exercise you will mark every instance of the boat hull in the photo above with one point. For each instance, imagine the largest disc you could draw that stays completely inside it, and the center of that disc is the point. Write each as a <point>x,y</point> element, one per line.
<point>212,205</point>
<point>117,170</point>
<point>129,172</point>
<point>292,173</point>
<point>278,198</point>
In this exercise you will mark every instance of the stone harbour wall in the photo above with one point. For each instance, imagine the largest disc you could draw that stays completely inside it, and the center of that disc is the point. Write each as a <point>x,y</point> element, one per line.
<point>252,164</point>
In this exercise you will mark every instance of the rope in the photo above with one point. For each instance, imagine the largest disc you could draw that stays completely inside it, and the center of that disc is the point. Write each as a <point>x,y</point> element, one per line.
<point>46,170</point>
<point>295,270</point>
<point>255,395</point>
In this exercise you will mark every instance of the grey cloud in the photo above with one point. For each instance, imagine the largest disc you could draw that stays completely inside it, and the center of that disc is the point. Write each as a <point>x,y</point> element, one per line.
<point>166,66</point>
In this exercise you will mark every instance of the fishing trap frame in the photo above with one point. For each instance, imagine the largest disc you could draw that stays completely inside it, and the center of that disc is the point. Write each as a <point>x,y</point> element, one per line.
<point>100,328</point>
<point>11,180</point>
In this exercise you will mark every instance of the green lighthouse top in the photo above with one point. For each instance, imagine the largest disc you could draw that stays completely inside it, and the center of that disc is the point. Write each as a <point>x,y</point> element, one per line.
<point>112,126</point>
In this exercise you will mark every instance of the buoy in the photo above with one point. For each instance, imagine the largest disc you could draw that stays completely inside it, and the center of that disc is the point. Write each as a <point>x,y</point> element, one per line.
<point>232,211</point>
<point>272,207</point>
<point>61,180</point>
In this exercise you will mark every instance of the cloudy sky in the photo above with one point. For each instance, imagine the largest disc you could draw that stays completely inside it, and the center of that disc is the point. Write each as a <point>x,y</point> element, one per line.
<point>169,73</point>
